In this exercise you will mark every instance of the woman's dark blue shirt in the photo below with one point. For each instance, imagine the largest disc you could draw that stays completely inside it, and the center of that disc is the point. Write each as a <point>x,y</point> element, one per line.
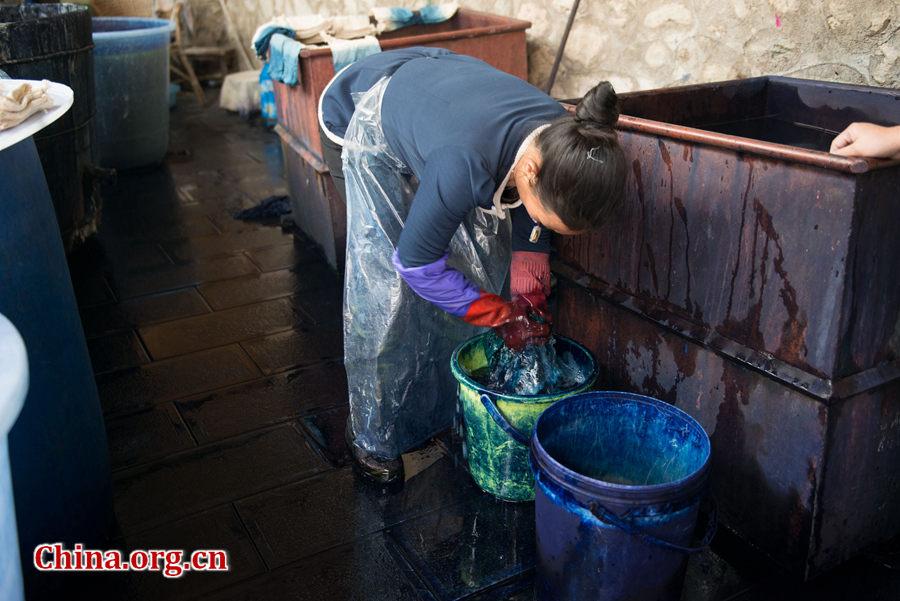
<point>457,123</point>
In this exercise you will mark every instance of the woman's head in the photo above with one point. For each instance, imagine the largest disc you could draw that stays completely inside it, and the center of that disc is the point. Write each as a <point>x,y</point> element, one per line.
<point>576,175</point>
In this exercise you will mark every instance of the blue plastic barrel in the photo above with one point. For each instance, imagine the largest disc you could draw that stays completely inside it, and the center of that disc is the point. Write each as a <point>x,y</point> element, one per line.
<point>131,75</point>
<point>13,386</point>
<point>57,448</point>
<point>619,480</point>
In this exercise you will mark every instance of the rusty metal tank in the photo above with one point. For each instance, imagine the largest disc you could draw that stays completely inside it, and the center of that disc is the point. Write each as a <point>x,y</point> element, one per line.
<point>751,279</point>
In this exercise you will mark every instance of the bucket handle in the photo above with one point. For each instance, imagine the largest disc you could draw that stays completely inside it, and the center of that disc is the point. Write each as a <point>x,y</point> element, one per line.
<point>501,421</point>
<point>600,513</point>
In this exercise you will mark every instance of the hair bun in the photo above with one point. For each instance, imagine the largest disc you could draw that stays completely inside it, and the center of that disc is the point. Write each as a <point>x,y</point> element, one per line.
<point>599,107</point>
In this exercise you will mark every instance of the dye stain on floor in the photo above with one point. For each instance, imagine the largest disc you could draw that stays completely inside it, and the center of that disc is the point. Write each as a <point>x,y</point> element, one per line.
<point>217,349</point>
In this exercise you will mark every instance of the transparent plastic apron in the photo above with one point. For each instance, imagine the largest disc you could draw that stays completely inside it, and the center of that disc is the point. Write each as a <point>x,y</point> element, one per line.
<point>397,346</point>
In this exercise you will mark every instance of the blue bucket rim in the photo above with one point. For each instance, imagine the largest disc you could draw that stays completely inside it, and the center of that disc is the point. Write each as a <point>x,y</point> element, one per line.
<point>150,25</point>
<point>691,485</point>
<point>463,377</point>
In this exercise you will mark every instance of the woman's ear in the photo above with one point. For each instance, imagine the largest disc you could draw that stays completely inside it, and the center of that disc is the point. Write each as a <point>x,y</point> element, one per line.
<point>531,166</point>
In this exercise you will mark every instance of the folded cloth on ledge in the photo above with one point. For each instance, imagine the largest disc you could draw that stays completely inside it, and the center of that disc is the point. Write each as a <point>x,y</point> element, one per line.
<point>396,17</point>
<point>22,102</point>
<point>306,28</point>
<point>350,27</point>
<point>346,52</point>
<point>263,36</point>
<point>284,59</point>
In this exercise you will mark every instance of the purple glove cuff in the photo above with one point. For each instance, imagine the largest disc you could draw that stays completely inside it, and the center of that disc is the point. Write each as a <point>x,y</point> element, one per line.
<point>440,285</point>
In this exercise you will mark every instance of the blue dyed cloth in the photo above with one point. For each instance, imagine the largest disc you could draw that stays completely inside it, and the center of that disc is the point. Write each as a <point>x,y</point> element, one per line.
<point>347,52</point>
<point>267,97</point>
<point>537,369</point>
<point>284,59</point>
<point>397,17</point>
<point>263,39</point>
<point>271,207</point>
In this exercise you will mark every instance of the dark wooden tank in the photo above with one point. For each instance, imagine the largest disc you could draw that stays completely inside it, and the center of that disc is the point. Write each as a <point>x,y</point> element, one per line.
<point>54,42</point>
<point>497,40</point>
<point>753,280</point>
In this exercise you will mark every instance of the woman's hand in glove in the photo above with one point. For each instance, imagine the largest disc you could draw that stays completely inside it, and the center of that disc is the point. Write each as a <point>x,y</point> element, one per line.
<point>522,321</point>
<point>529,324</point>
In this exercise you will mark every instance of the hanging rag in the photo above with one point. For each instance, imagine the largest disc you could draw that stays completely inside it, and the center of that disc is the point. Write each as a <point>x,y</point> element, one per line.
<point>397,17</point>
<point>267,97</point>
<point>22,102</point>
<point>347,52</point>
<point>397,345</point>
<point>263,36</point>
<point>284,59</point>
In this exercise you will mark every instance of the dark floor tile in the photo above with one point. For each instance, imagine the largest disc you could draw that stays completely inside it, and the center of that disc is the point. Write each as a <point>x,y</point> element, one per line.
<point>149,225</point>
<point>136,388</point>
<point>466,548</point>
<point>116,351</point>
<point>144,310</point>
<point>306,517</point>
<point>264,402</point>
<point>146,436</point>
<point>125,257</point>
<point>92,290</point>
<point>263,286</point>
<point>295,348</point>
<point>209,246</point>
<point>860,578</point>
<point>222,327</point>
<point>172,277</point>
<point>520,589</point>
<point>711,578</point>
<point>201,478</point>
<point>283,256</point>
<point>326,430</point>
<point>324,306</point>
<point>218,529</point>
<point>262,186</point>
<point>364,571</point>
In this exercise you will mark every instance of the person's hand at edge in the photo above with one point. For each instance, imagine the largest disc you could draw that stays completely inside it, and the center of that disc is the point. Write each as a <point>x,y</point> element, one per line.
<point>868,140</point>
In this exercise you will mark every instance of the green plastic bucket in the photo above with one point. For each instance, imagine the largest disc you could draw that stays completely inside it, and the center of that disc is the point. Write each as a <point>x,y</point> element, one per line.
<point>497,427</point>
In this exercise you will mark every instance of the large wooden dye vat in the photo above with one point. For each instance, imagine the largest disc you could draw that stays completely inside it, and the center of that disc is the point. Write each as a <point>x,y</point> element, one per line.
<point>752,280</point>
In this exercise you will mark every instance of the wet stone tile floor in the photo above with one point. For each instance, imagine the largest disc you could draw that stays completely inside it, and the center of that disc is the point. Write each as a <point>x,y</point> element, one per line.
<point>217,351</point>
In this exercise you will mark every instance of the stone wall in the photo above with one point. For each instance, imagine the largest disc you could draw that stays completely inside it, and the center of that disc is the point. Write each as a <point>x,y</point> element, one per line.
<point>645,44</point>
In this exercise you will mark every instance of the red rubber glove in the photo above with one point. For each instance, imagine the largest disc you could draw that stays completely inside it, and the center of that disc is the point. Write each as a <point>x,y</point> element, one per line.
<point>520,322</point>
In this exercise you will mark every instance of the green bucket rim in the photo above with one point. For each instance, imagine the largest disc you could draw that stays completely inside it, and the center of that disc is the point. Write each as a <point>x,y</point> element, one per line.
<point>463,378</point>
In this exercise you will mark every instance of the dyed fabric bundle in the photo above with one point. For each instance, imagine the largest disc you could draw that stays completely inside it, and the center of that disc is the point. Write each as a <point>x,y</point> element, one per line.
<point>397,17</point>
<point>22,102</point>
<point>538,369</point>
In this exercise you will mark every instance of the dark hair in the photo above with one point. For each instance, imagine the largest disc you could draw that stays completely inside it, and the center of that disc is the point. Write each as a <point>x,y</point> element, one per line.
<point>582,174</point>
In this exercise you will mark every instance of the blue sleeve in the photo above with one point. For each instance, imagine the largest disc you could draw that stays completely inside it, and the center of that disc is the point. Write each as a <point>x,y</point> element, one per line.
<point>451,186</point>
<point>522,224</point>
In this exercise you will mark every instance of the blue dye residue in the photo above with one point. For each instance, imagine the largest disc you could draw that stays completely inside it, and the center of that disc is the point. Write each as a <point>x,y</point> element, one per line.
<point>633,443</point>
<point>536,370</point>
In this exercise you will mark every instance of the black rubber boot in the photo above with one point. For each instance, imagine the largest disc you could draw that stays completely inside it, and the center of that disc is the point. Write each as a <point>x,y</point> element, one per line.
<point>383,471</point>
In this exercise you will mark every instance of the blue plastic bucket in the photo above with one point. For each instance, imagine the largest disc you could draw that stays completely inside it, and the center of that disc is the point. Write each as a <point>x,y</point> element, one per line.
<point>619,479</point>
<point>131,80</point>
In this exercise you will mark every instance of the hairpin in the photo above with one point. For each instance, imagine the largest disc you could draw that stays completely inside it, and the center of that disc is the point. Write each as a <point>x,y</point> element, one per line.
<point>593,156</point>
